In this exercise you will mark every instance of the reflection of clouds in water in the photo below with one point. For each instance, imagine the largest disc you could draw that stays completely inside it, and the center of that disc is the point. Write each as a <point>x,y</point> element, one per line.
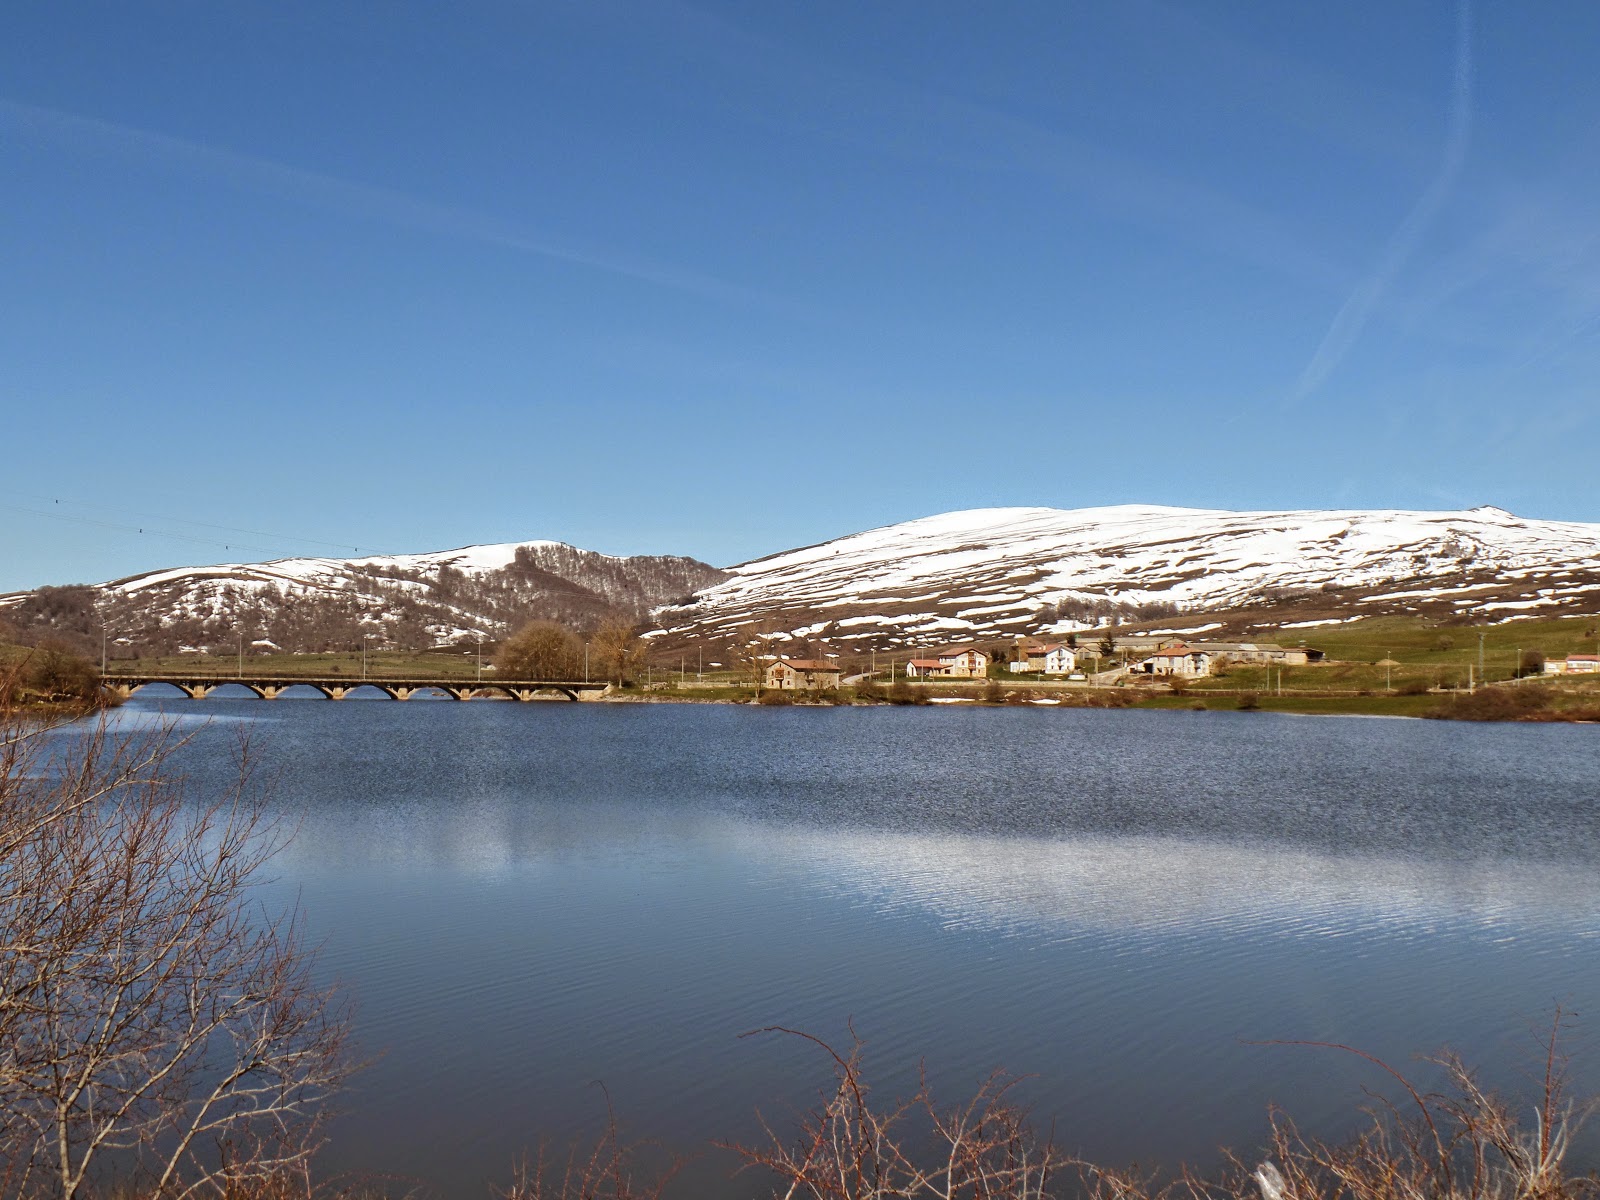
<point>142,720</point>
<point>488,836</point>
<point>1155,885</point>
<point>1133,884</point>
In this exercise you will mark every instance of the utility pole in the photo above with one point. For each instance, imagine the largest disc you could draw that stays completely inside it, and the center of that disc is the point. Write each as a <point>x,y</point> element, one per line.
<point>1388,672</point>
<point>480,658</point>
<point>241,654</point>
<point>1481,675</point>
<point>586,662</point>
<point>363,657</point>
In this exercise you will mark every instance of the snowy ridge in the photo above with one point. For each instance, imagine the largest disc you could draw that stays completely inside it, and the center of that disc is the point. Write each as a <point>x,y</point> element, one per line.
<point>331,573</point>
<point>1007,571</point>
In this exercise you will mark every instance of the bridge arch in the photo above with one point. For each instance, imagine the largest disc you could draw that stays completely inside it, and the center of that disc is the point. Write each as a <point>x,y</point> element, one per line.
<point>290,692</point>
<point>486,691</point>
<point>224,690</point>
<point>541,691</point>
<point>171,689</point>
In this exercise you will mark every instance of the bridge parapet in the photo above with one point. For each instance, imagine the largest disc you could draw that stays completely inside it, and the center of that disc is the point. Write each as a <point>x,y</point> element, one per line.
<point>198,687</point>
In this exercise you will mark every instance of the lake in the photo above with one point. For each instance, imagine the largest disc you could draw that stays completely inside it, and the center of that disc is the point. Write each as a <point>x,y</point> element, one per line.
<point>526,899</point>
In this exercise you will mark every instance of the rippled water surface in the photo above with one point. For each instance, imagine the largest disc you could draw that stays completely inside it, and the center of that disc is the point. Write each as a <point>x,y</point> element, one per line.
<point>527,899</point>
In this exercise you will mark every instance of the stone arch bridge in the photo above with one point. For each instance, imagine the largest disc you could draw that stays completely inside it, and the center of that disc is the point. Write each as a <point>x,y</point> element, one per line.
<point>198,687</point>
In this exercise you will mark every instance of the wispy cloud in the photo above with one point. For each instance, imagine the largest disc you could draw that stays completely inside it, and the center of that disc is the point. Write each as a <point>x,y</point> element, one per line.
<point>314,189</point>
<point>1359,305</point>
<point>826,100</point>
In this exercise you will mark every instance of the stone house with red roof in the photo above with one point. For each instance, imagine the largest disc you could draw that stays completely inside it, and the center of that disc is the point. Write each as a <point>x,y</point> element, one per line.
<point>803,675</point>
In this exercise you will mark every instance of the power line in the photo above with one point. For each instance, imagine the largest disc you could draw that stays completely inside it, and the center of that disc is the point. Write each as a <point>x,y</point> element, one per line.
<point>148,531</point>
<point>184,520</point>
<point>227,544</point>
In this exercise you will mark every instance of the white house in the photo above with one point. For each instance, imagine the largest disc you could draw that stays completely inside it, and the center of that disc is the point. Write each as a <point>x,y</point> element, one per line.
<point>1060,660</point>
<point>1582,664</point>
<point>964,662</point>
<point>1178,660</point>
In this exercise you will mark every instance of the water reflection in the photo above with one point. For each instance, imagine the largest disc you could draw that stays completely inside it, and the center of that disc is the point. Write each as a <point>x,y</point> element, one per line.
<point>1143,885</point>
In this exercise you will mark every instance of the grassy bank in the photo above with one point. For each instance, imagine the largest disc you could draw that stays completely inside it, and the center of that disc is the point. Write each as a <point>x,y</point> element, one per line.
<point>1363,706</point>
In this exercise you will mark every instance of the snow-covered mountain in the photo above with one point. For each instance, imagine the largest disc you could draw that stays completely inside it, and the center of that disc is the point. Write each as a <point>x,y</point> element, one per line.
<point>983,573</point>
<point>1008,571</point>
<point>401,600</point>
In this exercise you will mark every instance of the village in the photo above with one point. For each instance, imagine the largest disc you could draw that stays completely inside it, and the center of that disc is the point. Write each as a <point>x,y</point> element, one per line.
<point>1066,661</point>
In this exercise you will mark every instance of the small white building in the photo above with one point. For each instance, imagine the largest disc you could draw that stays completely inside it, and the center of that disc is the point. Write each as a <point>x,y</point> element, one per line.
<point>1582,664</point>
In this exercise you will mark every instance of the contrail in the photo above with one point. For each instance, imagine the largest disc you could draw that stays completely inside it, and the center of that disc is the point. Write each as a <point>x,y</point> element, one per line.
<point>355,199</point>
<point>1352,316</point>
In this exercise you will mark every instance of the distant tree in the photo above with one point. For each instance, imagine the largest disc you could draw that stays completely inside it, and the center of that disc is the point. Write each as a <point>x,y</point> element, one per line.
<point>618,649</point>
<point>1532,663</point>
<point>55,671</point>
<point>1108,645</point>
<point>540,650</point>
<point>1072,641</point>
<point>756,654</point>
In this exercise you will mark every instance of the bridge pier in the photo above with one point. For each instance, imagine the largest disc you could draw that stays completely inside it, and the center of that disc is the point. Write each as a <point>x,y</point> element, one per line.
<point>198,691</point>
<point>270,691</point>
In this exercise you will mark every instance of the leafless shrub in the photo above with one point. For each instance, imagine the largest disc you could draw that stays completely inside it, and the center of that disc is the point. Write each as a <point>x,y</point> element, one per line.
<point>850,1149</point>
<point>1465,1143</point>
<point>609,1168</point>
<point>156,1027</point>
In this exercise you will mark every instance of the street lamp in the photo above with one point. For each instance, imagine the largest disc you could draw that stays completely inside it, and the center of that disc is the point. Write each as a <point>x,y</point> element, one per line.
<point>586,662</point>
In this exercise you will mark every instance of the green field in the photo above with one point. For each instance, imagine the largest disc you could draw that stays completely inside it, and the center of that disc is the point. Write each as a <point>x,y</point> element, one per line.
<point>1408,640</point>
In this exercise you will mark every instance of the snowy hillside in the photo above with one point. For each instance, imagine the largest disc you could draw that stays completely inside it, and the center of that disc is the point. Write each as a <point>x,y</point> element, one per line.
<point>982,573</point>
<point>1007,571</point>
<point>409,601</point>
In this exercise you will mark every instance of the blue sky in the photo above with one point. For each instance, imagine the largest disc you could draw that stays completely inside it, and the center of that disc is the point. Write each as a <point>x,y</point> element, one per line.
<point>720,279</point>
